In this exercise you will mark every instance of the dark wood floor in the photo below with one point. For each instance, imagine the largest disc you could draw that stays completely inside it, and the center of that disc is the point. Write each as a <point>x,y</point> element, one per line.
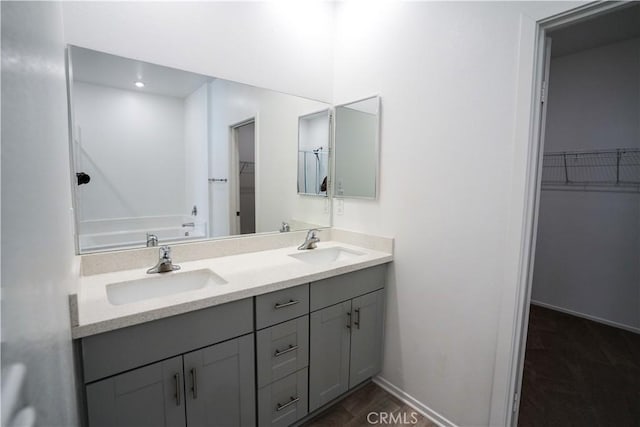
<point>579,373</point>
<point>353,410</point>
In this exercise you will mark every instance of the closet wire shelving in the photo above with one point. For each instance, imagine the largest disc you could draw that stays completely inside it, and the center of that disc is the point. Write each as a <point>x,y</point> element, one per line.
<point>247,168</point>
<point>600,170</point>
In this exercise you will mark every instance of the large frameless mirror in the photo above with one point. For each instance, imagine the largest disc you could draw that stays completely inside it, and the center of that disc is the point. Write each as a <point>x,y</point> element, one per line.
<point>313,153</point>
<point>356,148</point>
<point>160,154</point>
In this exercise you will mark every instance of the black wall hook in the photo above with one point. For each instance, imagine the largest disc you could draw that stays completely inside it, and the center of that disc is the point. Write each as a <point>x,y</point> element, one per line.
<point>83,178</point>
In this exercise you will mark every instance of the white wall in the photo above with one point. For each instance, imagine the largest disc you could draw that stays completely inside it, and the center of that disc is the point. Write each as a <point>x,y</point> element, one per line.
<point>451,190</point>
<point>285,46</point>
<point>145,129</point>
<point>314,132</point>
<point>37,232</point>
<point>277,140</point>
<point>589,242</point>
<point>196,163</point>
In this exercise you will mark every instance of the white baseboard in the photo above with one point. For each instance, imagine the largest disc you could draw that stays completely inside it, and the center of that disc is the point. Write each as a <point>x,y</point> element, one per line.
<point>413,402</point>
<point>587,316</point>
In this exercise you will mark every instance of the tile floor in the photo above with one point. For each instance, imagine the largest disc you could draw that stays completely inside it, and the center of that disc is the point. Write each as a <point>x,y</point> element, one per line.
<point>353,411</point>
<point>579,373</point>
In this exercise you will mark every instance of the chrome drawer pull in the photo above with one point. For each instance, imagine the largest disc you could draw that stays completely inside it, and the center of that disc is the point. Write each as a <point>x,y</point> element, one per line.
<point>176,377</point>
<point>280,353</point>
<point>285,304</point>
<point>293,400</point>
<point>194,383</point>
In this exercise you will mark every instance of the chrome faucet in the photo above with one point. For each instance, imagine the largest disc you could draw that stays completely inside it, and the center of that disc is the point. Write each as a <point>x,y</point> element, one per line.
<point>189,224</point>
<point>152,240</point>
<point>310,241</point>
<point>164,264</point>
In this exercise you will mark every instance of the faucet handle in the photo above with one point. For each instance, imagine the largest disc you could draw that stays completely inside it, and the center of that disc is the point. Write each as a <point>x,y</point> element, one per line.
<point>165,252</point>
<point>311,234</point>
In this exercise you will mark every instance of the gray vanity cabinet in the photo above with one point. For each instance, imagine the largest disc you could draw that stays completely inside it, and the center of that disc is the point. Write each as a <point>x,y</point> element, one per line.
<point>269,360</point>
<point>282,356</point>
<point>215,383</point>
<point>366,337</point>
<point>190,370</point>
<point>219,384</point>
<point>345,333</point>
<point>119,400</point>
<point>329,353</point>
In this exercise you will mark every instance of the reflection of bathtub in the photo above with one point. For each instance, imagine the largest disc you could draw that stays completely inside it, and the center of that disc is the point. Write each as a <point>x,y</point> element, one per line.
<point>132,232</point>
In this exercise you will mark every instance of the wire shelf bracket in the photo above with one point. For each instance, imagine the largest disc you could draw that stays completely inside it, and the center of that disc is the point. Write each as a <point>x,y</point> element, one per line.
<point>601,170</point>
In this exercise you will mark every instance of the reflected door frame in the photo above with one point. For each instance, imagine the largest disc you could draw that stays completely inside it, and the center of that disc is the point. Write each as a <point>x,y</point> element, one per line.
<point>234,173</point>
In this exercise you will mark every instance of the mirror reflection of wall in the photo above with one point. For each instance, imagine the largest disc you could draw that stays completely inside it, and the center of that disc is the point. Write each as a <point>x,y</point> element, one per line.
<point>356,148</point>
<point>313,153</point>
<point>158,146</point>
<point>276,138</point>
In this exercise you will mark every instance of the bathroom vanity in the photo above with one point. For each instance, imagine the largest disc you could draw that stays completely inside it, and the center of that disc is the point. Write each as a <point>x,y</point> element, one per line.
<point>278,335</point>
<point>248,331</point>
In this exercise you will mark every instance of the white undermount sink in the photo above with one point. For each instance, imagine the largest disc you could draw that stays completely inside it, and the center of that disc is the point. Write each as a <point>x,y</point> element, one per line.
<point>160,285</point>
<point>326,255</point>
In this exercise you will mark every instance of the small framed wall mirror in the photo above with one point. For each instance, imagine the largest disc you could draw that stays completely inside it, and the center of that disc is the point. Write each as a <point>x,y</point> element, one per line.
<point>313,153</point>
<point>356,148</point>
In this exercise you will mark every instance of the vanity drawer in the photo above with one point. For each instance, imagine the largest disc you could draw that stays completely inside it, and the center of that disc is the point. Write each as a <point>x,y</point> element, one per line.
<point>284,401</point>
<point>346,286</point>
<point>282,350</point>
<point>280,306</point>
<point>117,351</point>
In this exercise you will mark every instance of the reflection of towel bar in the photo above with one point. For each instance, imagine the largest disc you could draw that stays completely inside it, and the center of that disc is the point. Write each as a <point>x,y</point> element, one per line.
<point>218,180</point>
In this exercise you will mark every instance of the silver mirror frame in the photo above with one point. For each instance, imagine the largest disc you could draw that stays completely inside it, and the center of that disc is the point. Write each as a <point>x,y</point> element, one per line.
<point>71,132</point>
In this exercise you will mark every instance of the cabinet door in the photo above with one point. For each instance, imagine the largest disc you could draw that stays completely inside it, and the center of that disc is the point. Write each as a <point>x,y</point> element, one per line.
<point>366,337</point>
<point>329,353</point>
<point>151,396</point>
<point>220,384</point>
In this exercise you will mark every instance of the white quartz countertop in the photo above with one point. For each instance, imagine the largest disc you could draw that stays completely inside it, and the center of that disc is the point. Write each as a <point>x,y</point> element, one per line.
<point>247,275</point>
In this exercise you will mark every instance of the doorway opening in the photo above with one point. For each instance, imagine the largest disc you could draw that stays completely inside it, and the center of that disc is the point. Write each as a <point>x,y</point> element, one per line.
<point>579,360</point>
<point>243,156</point>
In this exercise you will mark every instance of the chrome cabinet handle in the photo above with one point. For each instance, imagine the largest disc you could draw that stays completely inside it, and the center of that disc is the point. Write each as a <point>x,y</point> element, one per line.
<point>291,348</point>
<point>194,383</point>
<point>285,304</point>
<point>176,377</point>
<point>281,406</point>
<point>348,320</point>
<point>357,321</point>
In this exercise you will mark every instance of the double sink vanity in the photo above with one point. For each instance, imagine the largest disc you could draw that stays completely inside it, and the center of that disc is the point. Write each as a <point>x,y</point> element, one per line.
<point>248,331</point>
<point>242,331</point>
